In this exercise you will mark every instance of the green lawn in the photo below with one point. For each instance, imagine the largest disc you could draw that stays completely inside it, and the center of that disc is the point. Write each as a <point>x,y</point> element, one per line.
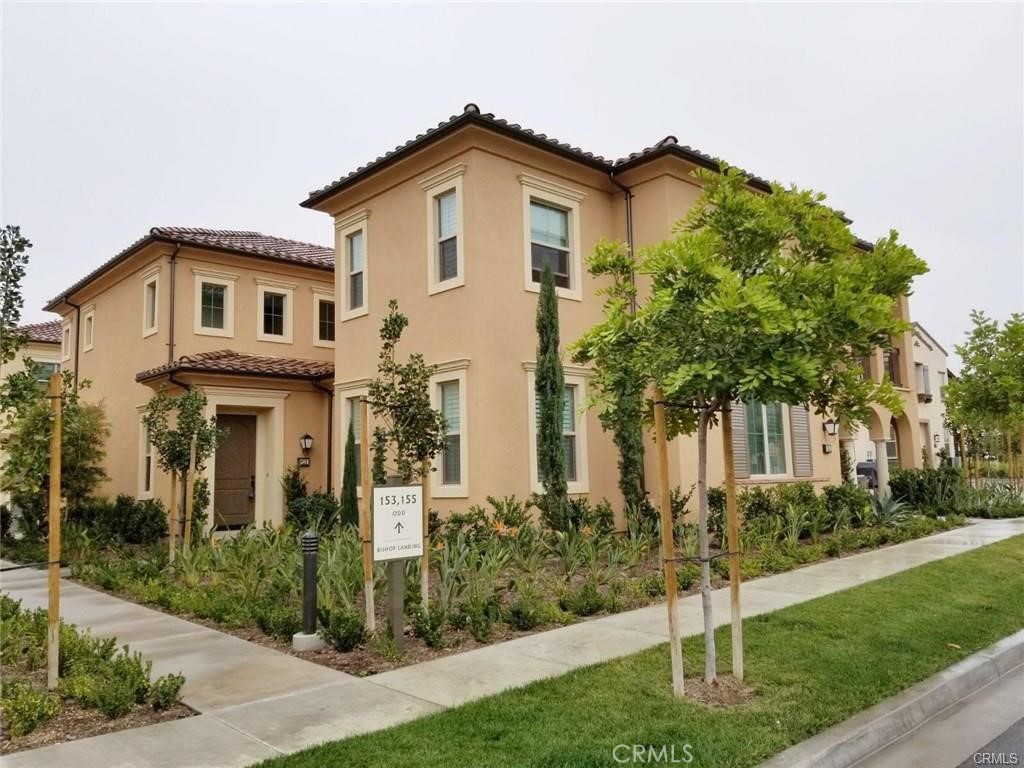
<point>813,665</point>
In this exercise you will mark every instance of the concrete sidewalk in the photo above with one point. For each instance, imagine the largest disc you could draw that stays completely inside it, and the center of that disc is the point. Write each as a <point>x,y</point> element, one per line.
<point>257,703</point>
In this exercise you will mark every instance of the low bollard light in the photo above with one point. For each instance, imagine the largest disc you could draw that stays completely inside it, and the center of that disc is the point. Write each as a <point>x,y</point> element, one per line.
<point>307,639</point>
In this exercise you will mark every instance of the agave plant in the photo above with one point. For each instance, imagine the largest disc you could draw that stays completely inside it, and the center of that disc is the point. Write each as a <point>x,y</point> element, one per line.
<point>887,511</point>
<point>567,546</point>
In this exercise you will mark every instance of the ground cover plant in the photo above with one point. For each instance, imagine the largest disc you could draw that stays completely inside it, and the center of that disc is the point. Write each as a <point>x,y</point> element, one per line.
<point>102,686</point>
<point>495,572</point>
<point>811,665</point>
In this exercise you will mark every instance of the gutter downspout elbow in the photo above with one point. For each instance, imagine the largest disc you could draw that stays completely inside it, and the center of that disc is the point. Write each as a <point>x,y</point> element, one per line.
<point>78,322</point>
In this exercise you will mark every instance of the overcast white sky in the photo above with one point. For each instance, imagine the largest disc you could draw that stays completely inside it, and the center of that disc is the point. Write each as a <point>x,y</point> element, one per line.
<point>118,117</point>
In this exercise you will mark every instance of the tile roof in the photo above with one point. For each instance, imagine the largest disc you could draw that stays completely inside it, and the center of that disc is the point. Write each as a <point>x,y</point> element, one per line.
<point>471,115</point>
<point>226,361</point>
<point>245,243</point>
<point>44,333</point>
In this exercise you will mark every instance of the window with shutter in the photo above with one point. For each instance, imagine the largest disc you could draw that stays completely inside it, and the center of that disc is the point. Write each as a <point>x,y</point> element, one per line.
<point>800,430</point>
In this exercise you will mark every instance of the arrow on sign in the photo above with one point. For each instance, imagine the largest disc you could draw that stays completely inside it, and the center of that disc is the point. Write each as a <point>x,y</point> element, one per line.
<point>398,527</point>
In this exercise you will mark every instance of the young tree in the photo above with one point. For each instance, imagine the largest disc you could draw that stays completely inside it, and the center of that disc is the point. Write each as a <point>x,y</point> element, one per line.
<point>349,502</point>
<point>13,259</point>
<point>549,390</point>
<point>409,430</point>
<point>29,424</point>
<point>173,442</point>
<point>760,297</point>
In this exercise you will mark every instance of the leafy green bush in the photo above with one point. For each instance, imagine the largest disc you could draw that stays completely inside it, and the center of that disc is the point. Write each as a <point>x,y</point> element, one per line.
<point>716,511</point>
<point>833,547</point>
<point>845,503</point>
<point>653,585</point>
<point>931,491</point>
<point>277,618</point>
<point>318,511</point>
<point>125,519</point>
<point>428,625</point>
<point>342,629</point>
<point>6,517</point>
<point>165,692</point>
<point>526,611</point>
<point>756,504</point>
<point>687,575</point>
<point>115,697</point>
<point>510,511</point>
<point>582,600</point>
<point>25,708</point>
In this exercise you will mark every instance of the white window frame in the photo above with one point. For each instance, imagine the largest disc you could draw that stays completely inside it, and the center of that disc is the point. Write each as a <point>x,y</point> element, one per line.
<point>453,370</point>
<point>343,393</point>
<point>320,295</point>
<point>65,341</point>
<point>145,451</point>
<point>448,180</point>
<point>88,328</point>
<point>574,377</point>
<point>343,228</point>
<point>150,279</point>
<point>263,287</point>
<point>787,443</point>
<point>227,280</point>
<point>559,196</point>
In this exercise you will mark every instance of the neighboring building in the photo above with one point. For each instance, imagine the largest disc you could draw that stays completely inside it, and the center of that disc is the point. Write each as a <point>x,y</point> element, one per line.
<point>42,346</point>
<point>456,225</point>
<point>246,317</point>
<point>930,376</point>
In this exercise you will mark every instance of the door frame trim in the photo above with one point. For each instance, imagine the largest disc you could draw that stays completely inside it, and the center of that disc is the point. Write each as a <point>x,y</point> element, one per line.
<point>268,407</point>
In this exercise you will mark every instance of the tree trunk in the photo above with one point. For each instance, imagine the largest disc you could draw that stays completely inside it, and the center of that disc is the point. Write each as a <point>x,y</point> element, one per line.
<point>710,657</point>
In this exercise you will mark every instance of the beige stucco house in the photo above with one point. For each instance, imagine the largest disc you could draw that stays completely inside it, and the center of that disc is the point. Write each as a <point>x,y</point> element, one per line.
<point>42,346</point>
<point>456,225</point>
<point>245,317</point>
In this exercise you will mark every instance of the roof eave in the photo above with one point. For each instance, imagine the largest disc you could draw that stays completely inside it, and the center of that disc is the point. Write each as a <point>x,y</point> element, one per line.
<point>147,376</point>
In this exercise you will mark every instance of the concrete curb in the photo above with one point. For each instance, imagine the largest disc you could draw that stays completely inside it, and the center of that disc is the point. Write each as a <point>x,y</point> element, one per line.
<point>844,744</point>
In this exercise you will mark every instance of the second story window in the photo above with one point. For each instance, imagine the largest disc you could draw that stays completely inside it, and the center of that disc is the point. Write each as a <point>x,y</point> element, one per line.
<point>150,304</point>
<point>274,300</point>
<point>65,340</point>
<point>447,239</point>
<point>325,320</point>
<point>549,242</point>
<point>43,371</point>
<point>356,258</point>
<point>214,303</point>
<point>88,329</point>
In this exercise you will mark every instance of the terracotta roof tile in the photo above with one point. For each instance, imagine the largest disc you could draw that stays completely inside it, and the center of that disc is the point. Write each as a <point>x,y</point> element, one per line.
<point>246,243</point>
<point>226,361</point>
<point>44,333</point>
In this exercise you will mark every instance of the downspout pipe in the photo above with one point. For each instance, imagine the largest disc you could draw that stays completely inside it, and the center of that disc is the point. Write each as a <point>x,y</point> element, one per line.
<point>628,193</point>
<point>78,321</point>
<point>329,391</point>
<point>170,317</point>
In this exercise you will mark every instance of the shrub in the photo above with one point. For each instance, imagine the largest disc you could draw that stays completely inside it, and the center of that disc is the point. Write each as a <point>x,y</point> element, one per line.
<point>293,484</point>
<point>510,511</point>
<point>716,511</point>
<point>125,519</point>
<point>720,567</point>
<point>687,575</point>
<point>25,709</point>
<point>165,692</point>
<point>317,511</point>
<point>582,600</point>
<point>525,612</point>
<point>342,629</point>
<point>653,585</point>
<point>931,491</point>
<point>6,517</point>
<point>133,671</point>
<point>277,618</point>
<point>832,547</point>
<point>756,504</point>
<point>429,625</point>
<point>473,525</point>
<point>480,614</point>
<point>845,503</point>
<point>115,697</point>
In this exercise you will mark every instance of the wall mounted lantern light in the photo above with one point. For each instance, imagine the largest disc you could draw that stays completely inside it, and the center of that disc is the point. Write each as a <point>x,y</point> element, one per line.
<point>831,427</point>
<point>306,443</point>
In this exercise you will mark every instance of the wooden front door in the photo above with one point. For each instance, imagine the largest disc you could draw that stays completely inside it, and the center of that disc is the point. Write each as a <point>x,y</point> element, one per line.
<point>234,483</point>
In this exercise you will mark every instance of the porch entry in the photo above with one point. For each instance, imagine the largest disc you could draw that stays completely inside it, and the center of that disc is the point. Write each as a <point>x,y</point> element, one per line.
<point>234,495</point>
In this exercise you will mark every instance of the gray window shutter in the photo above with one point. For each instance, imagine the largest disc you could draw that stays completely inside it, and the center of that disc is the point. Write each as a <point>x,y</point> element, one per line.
<point>740,456</point>
<point>800,428</point>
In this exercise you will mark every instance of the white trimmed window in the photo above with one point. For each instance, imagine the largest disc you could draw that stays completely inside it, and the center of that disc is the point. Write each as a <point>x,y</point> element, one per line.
<point>448,385</point>
<point>65,341</point>
<point>150,304</point>
<point>324,319</point>
<point>147,463</point>
<point>353,279</point>
<point>766,439</point>
<point>215,303</point>
<point>574,431</point>
<point>274,308</point>
<point>88,329</point>
<point>445,240</point>
<point>551,233</point>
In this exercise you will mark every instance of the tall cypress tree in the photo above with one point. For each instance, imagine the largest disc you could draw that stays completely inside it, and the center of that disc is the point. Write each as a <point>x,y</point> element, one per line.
<point>349,502</point>
<point>549,383</point>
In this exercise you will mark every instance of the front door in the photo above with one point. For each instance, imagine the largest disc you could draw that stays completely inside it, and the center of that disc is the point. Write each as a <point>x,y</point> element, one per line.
<point>234,482</point>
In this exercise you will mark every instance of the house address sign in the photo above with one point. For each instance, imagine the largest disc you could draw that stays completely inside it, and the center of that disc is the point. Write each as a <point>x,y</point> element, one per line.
<point>397,522</point>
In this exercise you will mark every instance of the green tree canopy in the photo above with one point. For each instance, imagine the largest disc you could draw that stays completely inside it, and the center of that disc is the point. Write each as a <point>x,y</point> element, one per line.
<point>173,423</point>
<point>13,259</point>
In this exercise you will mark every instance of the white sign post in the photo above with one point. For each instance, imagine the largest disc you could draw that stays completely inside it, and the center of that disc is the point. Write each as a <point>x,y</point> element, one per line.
<point>397,537</point>
<point>397,522</point>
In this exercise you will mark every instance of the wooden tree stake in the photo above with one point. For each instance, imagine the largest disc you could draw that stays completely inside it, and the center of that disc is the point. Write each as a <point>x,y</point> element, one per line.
<point>733,527</point>
<point>365,516</point>
<point>172,517</point>
<point>53,609</point>
<point>190,486</point>
<point>668,543</point>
